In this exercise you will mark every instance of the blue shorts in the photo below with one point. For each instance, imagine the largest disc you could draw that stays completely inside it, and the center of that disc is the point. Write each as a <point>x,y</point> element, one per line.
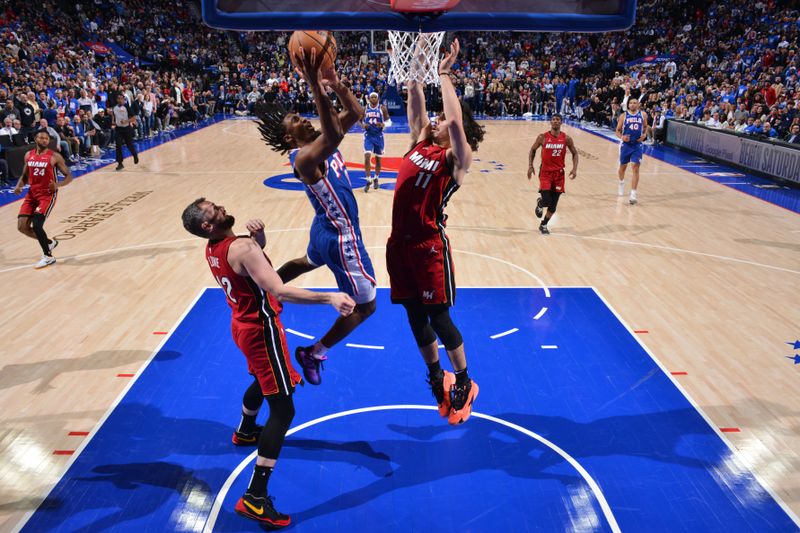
<point>346,258</point>
<point>373,144</point>
<point>630,153</point>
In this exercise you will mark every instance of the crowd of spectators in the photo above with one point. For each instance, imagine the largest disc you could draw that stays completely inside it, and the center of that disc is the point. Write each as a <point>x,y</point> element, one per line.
<point>727,64</point>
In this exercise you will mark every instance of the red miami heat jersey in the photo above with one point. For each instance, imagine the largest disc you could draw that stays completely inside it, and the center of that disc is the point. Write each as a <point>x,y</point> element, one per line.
<point>248,302</point>
<point>554,152</point>
<point>424,185</point>
<point>41,171</point>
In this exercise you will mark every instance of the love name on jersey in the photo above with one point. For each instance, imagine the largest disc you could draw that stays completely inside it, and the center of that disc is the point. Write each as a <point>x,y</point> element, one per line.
<point>213,261</point>
<point>423,163</point>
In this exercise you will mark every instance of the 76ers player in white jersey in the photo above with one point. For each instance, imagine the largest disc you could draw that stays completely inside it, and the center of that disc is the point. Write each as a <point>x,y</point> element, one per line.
<point>632,130</point>
<point>335,238</point>
<point>375,118</point>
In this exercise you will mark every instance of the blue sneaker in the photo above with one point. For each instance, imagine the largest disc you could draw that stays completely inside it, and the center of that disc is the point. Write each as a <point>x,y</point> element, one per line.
<point>310,364</point>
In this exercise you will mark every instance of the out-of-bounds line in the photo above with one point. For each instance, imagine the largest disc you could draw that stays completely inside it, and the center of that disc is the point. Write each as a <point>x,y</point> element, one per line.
<point>110,410</point>
<point>549,347</point>
<point>740,464</point>
<point>503,334</point>
<point>595,488</point>
<point>304,335</point>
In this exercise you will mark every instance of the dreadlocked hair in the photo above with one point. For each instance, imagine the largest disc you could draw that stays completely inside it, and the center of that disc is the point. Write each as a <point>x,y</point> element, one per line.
<point>472,130</point>
<point>270,125</point>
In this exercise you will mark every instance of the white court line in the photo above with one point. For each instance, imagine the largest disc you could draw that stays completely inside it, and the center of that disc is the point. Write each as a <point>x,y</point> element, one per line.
<point>304,335</point>
<point>678,250</point>
<point>110,410</point>
<point>732,182</point>
<point>540,314</point>
<point>498,335</point>
<point>365,346</point>
<point>598,494</point>
<point>549,347</point>
<point>734,451</point>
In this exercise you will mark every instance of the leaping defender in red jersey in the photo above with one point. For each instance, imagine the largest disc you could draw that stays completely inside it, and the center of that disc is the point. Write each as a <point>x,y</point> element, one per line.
<point>40,173</point>
<point>254,292</point>
<point>418,254</point>
<point>554,144</point>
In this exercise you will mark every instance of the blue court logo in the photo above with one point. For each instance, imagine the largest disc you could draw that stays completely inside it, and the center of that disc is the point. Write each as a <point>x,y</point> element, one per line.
<point>796,357</point>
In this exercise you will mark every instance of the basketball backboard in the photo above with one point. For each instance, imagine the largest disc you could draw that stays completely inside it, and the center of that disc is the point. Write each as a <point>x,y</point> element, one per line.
<point>517,15</point>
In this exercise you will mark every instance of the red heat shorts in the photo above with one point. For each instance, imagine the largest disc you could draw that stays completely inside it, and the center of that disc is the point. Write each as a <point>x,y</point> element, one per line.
<point>268,359</point>
<point>38,201</point>
<point>421,270</point>
<point>551,180</point>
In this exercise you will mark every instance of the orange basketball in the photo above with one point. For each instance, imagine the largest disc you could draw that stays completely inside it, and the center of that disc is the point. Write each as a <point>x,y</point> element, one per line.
<point>322,41</point>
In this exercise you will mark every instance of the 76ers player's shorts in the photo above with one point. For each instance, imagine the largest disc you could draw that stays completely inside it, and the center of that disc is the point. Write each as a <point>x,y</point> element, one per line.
<point>38,202</point>
<point>421,270</point>
<point>347,258</point>
<point>373,144</point>
<point>630,153</point>
<point>551,180</point>
<point>268,359</point>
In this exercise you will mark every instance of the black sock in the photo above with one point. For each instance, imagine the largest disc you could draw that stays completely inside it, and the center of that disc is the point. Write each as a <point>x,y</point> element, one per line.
<point>462,378</point>
<point>248,423</point>
<point>434,368</point>
<point>258,483</point>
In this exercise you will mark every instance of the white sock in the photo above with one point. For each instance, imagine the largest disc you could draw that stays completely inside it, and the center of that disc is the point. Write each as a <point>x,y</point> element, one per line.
<point>319,350</point>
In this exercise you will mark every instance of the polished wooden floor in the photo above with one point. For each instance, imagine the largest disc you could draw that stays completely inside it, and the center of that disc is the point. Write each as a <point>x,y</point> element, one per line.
<point>712,274</point>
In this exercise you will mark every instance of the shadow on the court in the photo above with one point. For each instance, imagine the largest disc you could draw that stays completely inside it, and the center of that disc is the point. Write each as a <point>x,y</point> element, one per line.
<point>121,255</point>
<point>429,454</point>
<point>377,462</point>
<point>162,479</point>
<point>45,372</point>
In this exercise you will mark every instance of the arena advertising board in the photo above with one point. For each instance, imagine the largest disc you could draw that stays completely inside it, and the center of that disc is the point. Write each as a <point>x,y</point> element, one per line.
<point>753,154</point>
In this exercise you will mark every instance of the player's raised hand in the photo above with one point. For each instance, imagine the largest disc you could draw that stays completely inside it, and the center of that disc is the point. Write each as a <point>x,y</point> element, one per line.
<point>343,304</point>
<point>255,225</point>
<point>330,78</point>
<point>450,58</point>
<point>306,65</point>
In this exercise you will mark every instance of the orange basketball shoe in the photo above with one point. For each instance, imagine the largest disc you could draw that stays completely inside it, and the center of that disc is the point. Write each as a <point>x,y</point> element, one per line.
<point>461,399</point>
<point>440,386</point>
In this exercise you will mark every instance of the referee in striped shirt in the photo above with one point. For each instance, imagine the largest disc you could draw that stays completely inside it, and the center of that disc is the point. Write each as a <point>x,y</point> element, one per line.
<point>123,122</point>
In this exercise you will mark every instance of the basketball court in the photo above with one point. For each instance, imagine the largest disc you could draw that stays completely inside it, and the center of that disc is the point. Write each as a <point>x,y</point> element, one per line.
<point>638,367</point>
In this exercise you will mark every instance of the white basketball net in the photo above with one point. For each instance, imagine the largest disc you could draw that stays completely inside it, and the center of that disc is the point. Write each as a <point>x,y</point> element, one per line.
<point>414,56</point>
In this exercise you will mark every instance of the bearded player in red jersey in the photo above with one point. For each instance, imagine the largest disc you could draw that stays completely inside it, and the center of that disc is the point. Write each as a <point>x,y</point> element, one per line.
<point>418,252</point>
<point>554,144</point>
<point>254,292</point>
<point>40,173</point>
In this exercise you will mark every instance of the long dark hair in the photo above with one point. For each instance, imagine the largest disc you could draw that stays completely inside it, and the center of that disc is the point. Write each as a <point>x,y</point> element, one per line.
<point>473,131</point>
<point>270,125</point>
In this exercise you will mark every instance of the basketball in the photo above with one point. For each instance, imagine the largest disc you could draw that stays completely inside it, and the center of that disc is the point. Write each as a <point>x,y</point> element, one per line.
<point>321,41</point>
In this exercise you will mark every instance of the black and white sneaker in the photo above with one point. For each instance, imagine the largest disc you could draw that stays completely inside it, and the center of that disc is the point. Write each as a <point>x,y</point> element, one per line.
<point>53,244</point>
<point>539,211</point>
<point>543,229</point>
<point>376,184</point>
<point>366,187</point>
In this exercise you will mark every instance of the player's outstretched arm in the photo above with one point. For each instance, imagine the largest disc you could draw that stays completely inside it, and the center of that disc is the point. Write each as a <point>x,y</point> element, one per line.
<point>620,125</point>
<point>417,113</point>
<point>572,150</point>
<point>644,127</point>
<point>312,155</point>
<point>536,145</point>
<point>249,256</point>
<point>61,165</point>
<point>462,153</point>
<point>353,111</point>
<point>22,179</point>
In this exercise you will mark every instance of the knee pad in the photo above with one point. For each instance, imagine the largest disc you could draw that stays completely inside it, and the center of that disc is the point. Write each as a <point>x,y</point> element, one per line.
<point>443,325</point>
<point>420,326</point>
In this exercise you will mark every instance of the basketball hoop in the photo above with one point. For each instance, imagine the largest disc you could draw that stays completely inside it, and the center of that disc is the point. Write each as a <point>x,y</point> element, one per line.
<point>414,57</point>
